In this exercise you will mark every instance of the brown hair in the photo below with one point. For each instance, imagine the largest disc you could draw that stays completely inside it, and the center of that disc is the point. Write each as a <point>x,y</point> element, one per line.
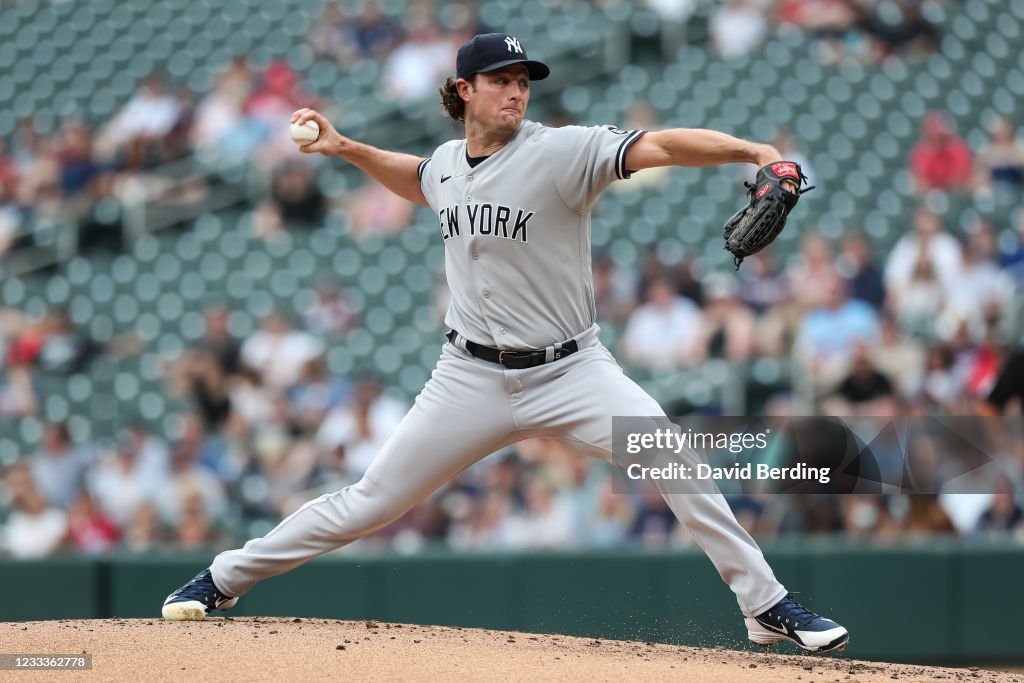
<point>452,103</point>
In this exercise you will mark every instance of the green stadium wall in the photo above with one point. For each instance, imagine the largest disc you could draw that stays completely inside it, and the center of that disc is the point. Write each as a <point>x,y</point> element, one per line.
<point>934,604</point>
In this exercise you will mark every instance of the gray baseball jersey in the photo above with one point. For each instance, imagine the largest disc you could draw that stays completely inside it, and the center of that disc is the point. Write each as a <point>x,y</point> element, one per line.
<point>516,231</point>
<point>517,253</point>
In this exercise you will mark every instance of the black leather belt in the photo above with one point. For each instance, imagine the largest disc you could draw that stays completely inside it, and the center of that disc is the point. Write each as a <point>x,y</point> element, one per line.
<point>517,360</point>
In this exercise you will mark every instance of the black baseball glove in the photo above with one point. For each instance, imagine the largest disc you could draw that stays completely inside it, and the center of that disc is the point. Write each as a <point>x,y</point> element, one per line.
<point>757,224</point>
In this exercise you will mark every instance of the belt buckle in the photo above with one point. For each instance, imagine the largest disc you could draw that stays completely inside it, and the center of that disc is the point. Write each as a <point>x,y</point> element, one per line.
<point>501,358</point>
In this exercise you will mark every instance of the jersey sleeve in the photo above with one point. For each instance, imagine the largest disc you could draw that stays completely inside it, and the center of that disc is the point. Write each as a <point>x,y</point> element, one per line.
<point>585,160</point>
<point>427,183</point>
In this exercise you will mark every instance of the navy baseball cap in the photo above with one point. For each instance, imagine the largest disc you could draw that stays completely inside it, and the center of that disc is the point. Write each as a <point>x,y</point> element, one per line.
<point>492,51</point>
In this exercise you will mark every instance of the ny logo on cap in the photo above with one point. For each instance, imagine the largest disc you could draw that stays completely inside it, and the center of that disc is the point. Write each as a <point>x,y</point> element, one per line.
<point>513,44</point>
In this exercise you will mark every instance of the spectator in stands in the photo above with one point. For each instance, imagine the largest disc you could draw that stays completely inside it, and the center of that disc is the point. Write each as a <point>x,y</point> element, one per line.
<point>59,466</point>
<point>814,266</point>
<point>8,170</point>
<point>220,130</point>
<point>314,395</point>
<point>90,532</point>
<point>737,27</point>
<point>941,386</point>
<point>128,477</point>
<point>280,92</point>
<point>609,523</point>
<point>664,332</point>
<point>11,217</point>
<point>251,401</point>
<point>218,340</point>
<point>1012,256</point>
<point>277,351</point>
<point>940,160</point>
<point>977,296</point>
<point>1000,163</point>
<point>833,24</point>
<point>654,523</point>
<point>194,532</point>
<point>417,64</point>
<point>1007,396</point>
<point>1004,514</point>
<point>296,195</point>
<point>546,522</point>
<point>374,33</point>
<point>613,291</point>
<point>33,528</point>
<point>856,263</point>
<point>360,426</point>
<point>143,533</point>
<point>209,389</point>
<point>685,276</point>
<point>188,478</point>
<point>331,36</point>
<point>765,288</point>
<point>928,247</point>
<point>65,348</point>
<point>375,210</point>
<point>78,169</point>
<point>899,358</point>
<point>907,33</point>
<point>917,302</point>
<point>831,332</point>
<point>728,325</point>
<point>331,313</point>
<point>866,516</point>
<point>865,390</point>
<point>762,284</point>
<point>926,517</point>
<point>148,116</point>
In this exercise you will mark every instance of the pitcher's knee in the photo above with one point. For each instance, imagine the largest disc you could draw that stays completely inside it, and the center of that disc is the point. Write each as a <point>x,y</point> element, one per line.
<point>362,509</point>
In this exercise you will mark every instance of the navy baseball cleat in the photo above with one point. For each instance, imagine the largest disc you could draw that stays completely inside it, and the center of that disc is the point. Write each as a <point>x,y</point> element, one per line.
<point>788,620</point>
<point>196,599</point>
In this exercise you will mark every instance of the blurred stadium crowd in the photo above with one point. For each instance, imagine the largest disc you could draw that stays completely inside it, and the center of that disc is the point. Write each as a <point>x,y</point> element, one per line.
<point>923,326</point>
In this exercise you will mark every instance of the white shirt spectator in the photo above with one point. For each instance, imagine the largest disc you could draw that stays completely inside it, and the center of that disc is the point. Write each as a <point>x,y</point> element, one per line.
<point>33,535</point>
<point>150,112</point>
<point>737,28</point>
<point>941,249</point>
<point>278,355</point>
<point>173,495</point>
<point>341,428</point>
<point>664,332</point>
<point>416,66</point>
<point>121,483</point>
<point>672,10</point>
<point>58,475</point>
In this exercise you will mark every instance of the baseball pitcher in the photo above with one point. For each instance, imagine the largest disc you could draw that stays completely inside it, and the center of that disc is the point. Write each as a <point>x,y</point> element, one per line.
<point>522,359</point>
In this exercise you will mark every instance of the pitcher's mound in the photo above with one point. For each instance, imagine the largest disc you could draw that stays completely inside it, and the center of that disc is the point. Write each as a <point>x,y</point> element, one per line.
<point>275,649</point>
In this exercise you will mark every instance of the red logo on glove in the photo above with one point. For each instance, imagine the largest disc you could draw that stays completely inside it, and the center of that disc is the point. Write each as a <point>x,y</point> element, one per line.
<point>760,193</point>
<point>785,169</point>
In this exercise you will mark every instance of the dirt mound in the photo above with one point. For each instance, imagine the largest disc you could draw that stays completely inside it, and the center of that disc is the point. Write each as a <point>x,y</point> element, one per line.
<point>257,649</point>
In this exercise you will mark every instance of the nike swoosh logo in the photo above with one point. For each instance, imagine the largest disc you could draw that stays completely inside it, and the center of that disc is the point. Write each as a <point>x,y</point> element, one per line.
<point>445,177</point>
<point>777,629</point>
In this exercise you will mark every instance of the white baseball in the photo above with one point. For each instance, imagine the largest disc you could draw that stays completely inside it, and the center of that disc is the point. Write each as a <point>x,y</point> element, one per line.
<point>305,134</point>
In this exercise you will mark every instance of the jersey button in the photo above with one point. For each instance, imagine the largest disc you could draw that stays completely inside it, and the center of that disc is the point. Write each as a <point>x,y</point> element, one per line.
<point>469,198</point>
<point>469,177</point>
<point>487,294</point>
<point>476,256</point>
<point>502,330</point>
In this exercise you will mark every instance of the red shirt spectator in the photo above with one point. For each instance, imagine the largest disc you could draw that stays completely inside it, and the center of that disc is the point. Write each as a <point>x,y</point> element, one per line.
<point>940,160</point>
